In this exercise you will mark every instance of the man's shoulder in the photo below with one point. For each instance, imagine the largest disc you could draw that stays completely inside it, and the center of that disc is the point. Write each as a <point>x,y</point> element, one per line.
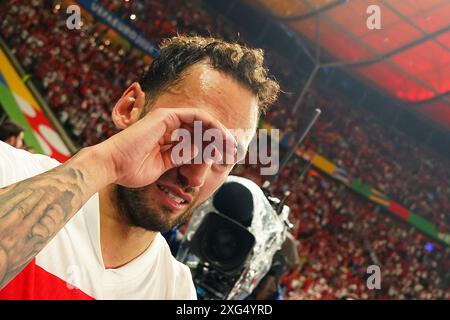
<point>17,164</point>
<point>179,268</point>
<point>182,276</point>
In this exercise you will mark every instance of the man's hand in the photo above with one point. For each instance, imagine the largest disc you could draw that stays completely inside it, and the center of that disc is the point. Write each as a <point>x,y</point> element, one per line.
<point>141,153</point>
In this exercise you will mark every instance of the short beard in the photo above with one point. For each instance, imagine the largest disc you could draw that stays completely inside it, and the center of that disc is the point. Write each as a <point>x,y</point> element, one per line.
<point>134,211</point>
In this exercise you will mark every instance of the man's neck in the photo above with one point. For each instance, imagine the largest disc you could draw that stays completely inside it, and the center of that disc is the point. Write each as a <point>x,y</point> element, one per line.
<point>120,243</point>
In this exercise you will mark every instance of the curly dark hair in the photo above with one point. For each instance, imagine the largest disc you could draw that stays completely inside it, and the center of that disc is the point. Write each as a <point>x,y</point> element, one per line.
<point>246,65</point>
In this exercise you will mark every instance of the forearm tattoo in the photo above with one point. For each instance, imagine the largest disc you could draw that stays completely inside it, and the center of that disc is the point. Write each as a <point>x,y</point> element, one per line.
<point>32,212</point>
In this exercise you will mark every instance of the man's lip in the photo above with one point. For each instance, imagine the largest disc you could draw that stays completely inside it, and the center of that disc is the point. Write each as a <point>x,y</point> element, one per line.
<point>177,191</point>
<point>168,201</point>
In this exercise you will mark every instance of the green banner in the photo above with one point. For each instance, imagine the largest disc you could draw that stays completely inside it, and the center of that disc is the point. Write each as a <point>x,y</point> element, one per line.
<point>422,224</point>
<point>361,188</point>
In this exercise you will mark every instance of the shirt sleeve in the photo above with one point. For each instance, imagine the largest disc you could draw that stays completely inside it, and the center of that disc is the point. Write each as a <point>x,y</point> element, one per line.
<point>17,165</point>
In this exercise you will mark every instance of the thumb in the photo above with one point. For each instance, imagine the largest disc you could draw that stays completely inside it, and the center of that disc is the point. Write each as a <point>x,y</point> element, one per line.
<point>173,158</point>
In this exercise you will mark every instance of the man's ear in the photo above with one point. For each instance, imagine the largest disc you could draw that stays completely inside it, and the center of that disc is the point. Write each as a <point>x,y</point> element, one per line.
<point>129,107</point>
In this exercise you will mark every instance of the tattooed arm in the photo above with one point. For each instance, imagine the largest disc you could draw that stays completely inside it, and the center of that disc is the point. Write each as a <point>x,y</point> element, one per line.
<point>34,210</point>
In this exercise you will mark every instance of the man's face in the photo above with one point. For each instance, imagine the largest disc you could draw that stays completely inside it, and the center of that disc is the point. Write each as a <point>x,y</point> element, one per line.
<point>178,192</point>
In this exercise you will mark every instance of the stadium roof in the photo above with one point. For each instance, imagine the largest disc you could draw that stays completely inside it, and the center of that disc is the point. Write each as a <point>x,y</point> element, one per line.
<point>408,58</point>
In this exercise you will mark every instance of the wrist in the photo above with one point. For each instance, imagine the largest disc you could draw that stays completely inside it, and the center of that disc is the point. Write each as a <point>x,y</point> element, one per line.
<point>96,165</point>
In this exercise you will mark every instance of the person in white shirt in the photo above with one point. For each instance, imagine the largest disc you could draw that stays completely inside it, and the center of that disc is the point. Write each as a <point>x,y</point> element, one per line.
<point>90,228</point>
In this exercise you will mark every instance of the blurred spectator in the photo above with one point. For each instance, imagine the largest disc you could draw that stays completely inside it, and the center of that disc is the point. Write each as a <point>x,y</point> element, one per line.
<point>12,134</point>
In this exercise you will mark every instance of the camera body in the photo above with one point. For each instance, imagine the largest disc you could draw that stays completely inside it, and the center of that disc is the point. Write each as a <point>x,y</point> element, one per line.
<point>232,238</point>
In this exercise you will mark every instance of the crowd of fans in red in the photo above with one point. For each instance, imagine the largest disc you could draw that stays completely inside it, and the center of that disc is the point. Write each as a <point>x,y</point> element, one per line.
<point>340,234</point>
<point>167,17</point>
<point>71,67</point>
<point>382,157</point>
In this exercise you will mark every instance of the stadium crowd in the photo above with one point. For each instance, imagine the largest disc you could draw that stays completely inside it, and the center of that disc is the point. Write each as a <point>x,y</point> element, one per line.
<point>81,72</point>
<point>71,67</point>
<point>340,235</point>
<point>167,17</point>
<point>384,158</point>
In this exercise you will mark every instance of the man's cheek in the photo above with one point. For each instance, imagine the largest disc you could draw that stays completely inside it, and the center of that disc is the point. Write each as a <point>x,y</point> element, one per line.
<point>214,187</point>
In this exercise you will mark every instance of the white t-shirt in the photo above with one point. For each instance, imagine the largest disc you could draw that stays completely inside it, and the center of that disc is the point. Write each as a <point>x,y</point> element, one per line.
<point>71,265</point>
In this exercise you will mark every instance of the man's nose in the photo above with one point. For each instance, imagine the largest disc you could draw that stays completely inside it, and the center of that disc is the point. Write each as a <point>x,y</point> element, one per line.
<point>194,174</point>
